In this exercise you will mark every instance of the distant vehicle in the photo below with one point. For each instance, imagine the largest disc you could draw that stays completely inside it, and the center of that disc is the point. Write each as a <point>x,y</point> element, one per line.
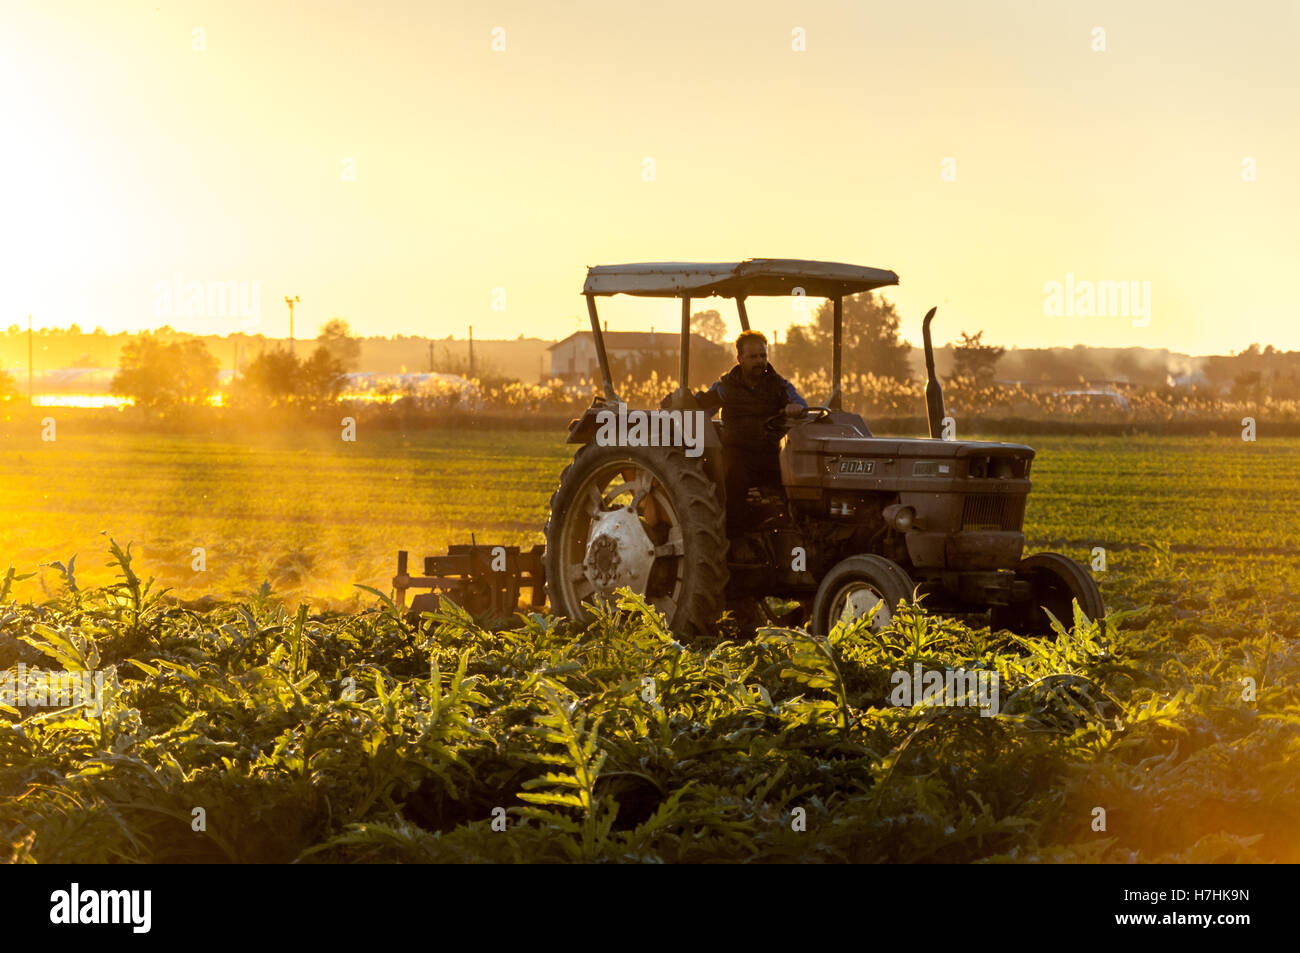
<point>1095,399</point>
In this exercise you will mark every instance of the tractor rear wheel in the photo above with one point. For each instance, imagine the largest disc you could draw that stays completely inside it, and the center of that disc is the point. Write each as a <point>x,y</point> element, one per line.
<point>857,585</point>
<point>1057,582</point>
<point>642,517</point>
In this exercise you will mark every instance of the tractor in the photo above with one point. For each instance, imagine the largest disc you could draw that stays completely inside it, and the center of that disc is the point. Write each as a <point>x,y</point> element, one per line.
<point>858,524</point>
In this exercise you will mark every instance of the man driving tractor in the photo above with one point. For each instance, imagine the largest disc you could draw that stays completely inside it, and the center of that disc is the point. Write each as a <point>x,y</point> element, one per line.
<point>749,394</point>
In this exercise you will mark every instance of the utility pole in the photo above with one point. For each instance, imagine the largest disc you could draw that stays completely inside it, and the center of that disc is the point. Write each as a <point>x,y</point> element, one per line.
<point>471,352</point>
<point>29,361</point>
<point>291,302</point>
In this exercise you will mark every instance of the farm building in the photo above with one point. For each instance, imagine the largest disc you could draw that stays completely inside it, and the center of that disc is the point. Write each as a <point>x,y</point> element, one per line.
<point>574,358</point>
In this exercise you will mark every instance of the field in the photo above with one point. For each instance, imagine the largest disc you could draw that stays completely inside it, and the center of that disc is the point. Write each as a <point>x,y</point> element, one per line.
<point>334,732</point>
<point>311,514</point>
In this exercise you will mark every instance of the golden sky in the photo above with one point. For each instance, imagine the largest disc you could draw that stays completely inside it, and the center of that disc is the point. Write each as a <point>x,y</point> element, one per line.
<point>137,150</point>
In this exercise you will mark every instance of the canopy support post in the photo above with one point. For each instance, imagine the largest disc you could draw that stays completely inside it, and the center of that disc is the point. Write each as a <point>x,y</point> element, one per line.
<point>837,343</point>
<point>599,339</point>
<point>744,315</point>
<point>685,366</point>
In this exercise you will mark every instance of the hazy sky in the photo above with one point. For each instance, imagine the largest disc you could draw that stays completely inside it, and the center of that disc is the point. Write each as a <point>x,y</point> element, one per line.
<point>131,157</point>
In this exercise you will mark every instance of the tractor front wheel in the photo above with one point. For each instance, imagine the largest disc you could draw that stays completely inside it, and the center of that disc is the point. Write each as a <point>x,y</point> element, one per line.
<point>642,517</point>
<point>859,585</point>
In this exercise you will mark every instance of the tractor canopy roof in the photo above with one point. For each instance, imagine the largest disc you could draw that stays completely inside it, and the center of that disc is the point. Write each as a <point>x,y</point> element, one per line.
<point>757,276</point>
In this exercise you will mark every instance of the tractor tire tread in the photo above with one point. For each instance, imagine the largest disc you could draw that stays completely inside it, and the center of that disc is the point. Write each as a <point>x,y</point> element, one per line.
<point>702,521</point>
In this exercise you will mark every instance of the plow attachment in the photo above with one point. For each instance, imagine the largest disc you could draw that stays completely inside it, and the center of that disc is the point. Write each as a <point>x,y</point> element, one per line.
<point>486,580</point>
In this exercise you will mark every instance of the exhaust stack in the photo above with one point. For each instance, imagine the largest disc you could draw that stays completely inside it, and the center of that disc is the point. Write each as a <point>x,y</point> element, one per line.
<point>933,392</point>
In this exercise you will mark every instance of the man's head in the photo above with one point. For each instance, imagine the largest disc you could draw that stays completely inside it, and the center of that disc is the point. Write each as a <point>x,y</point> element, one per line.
<point>751,353</point>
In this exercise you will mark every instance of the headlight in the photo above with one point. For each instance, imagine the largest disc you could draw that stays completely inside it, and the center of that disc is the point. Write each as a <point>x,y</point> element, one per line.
<point>901,517</point>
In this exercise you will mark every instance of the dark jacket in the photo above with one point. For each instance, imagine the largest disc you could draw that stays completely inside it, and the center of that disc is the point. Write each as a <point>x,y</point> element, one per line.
<point>746,408</point>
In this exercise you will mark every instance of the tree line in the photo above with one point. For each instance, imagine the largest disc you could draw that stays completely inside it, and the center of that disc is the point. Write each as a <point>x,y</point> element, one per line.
<point>870,339</point>
<point>161,376</point>
<point>159,373</point>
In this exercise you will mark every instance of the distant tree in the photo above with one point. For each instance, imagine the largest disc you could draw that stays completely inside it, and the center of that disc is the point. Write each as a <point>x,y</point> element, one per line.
<point>870,340</point>
<point>162,376</point>
<point>975,359</point>
<point>270,380</point>
<point>321,378</point>
<point>278,378</point>
<point>1248,385</point>
<point>336,337</point>
<point>1058,366</point>
<point>710,326</point>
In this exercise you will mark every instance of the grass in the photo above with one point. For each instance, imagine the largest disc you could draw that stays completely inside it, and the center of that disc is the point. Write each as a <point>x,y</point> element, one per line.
<point>312,514</point>
<point>308,513</point>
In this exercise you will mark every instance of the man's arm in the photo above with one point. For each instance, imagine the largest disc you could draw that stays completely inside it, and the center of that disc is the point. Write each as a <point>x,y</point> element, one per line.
<point>710,400</point>
<point>792,395</point>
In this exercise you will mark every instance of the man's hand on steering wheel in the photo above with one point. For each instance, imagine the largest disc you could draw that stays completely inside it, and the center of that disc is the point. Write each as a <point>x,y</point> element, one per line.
<point>782,423</point>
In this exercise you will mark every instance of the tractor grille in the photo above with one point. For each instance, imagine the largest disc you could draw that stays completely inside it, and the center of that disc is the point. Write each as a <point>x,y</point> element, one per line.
<point>990,511</point>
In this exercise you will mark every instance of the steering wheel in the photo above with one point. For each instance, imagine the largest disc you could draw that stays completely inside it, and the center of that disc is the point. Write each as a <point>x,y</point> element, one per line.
<point>780,423</point>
